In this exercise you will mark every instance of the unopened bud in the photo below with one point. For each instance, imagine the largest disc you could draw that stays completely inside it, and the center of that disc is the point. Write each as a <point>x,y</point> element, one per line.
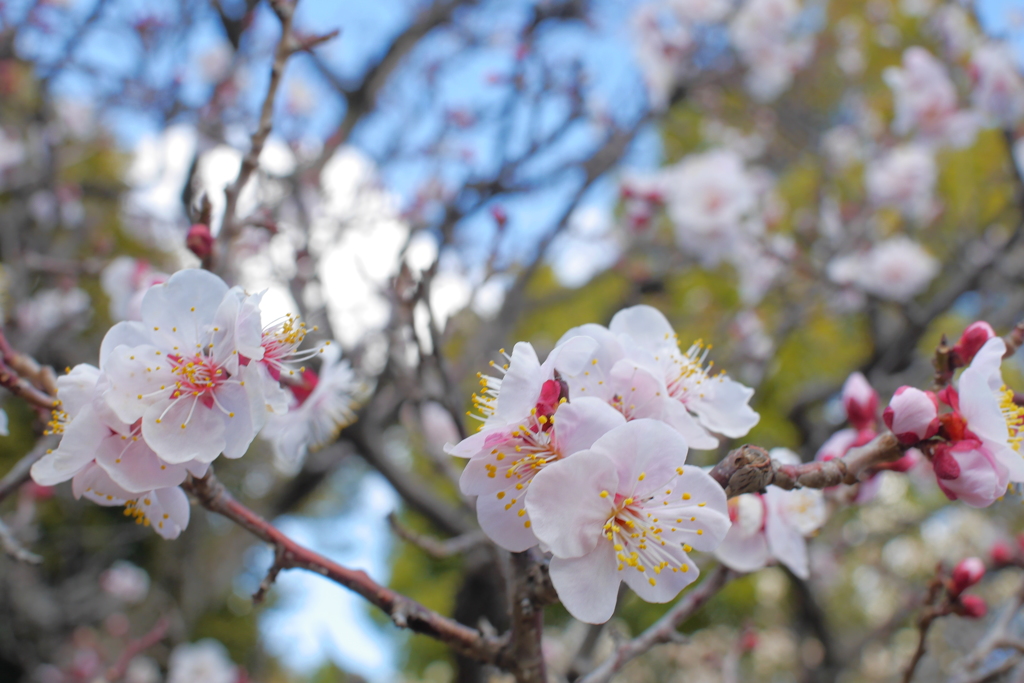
<point>971,341</point>
<point>1001,553</point>
<point>860,400</point>
<point>200,241</point>
<point>967,573</point>
<point>973,607</point>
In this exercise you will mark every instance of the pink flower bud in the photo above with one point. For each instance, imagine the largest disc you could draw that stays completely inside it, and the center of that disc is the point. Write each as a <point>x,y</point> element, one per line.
<point>973,607</point>
<point>860,400</point>
<point>200,240</point>
<point>971,341</point>
<point>1001,553</point>
<point>967,470</point>
<point>912,415</point>
<point>966,573</point>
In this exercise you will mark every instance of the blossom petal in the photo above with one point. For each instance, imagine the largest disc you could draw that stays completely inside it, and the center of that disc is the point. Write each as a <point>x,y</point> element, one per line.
<point>521,385</point>
<point>202,437</point>
<point>645,325</point>
<point>565,502</point>
<point>696,504</point>
<point>501,521</point>
<point>96,485</point>
<point>679,418</point>
<point>570,357</point>
<point>785,541</point>
<point>246,414</point>
<point>583,421</point>
<point>76,450</point>
<point>136,376</point>
<point>133,465</point>
<point>588,586</point>
<point>668,582</point>
<point>167,510</point>
<point>743,552</point>
<point>77,388</point>
<point>188,301</point>
<point>646,454</point>
<point>129,334</point>
<point>724,409</point>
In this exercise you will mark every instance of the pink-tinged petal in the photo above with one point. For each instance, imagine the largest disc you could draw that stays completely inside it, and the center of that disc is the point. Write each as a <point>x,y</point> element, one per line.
<point>76,450</point>
<point>479,480</point>
<point>860,400</point>
<point>129,334</point>
<point>96,485</point>
<point>609,348</point>
<point>566,506</point>
<point>242,412</point>
<point>646,453</point>
<point>168,511</point>
<point>135,378</point>
<point>912,415</point>
<point>972,340</point>
<point>667,583</point>
<point>202,437</point>
<point>679,418</point>
<point>724,409</point>
<point>521,384</point>
<point>133,465</point>
<point>588,586</point>
<point>502,522</point>
<point>238,327</point>
<point>802,509</point>
<point>645,325</point>
<point>469,446</point>
<point>583,421</point>
<point>571,357</point>
<point>743,552</point>
<point>197,469</point>
<point>696,512</point>
<point>77,388</point>
<point>981,478</point>
<point>785,542</point>
<point>188,301</point>
<point>987,363</point>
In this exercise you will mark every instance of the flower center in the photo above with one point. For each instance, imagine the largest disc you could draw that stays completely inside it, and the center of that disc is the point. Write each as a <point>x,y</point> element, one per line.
<point>688,372</point>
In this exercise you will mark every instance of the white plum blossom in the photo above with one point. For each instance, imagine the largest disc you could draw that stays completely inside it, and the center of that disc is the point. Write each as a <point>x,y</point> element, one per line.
<point>639,368</point>
<point>926,100</point>
<point>764,34</point>
<point>205,661</point>
<point>108,461</point>
<point>627,509</point>
<point>998,85</point>
<point>954,28</point>
<point>660,53</point>
<point>323,404</point>
<point>773,525</point>
<point>185,380</point>
<point>897,269</point>
<point>501,476</point>
<point>904,179</point>
<point>712,201</point>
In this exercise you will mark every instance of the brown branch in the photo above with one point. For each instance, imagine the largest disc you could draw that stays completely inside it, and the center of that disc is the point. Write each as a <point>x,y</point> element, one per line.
<point>403,611</point>
<point>436,548</point>
<point>15,367</point>
<point>19,474</point>
<point>155,635</point>
<point>663,630</point>
<point>748,469</point>
<point>13,548</point>
<point>524,649</point>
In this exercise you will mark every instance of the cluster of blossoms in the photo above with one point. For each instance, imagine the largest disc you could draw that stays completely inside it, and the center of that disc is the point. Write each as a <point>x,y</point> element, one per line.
<point>585,454</point>
<point>197,377</point>
<point>974,443</point>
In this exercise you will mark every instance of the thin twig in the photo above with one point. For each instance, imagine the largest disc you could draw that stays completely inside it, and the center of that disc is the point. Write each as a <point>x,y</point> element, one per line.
<point>13,548</point>
<point>19,474</point>
<point>434,547</point>
<point>403,611</point>
<point>155,635</point>
<point>663,630</point>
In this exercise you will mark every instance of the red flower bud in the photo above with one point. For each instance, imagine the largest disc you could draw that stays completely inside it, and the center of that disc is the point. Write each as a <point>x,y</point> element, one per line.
<point>199,240</point>
<point>1001,553</point>
<point>967,573</point>
<point>971,341</point>
<point>973,607</point>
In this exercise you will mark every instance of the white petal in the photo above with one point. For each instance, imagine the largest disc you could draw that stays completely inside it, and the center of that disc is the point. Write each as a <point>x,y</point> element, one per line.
<point>168,512</point>
<point>588,586</point>
<point>76,450</point>
<point>679,418</point>
<point>696,504</point>
<point>77,388</point>
<point>571,357</point>
<point>565,503</point>
<point>202,438</point>
<point>743,553</point>
<point>502,523</point>
<point>667,583</point>
<point>785,541</point>
<point>134,377</point>
<point>124,334</point>
<point>647,326</point>
<point>646,454</point>
<point>188,301</point>
<point>520,388</point>
<point>724,410</point>
<point>583,421</point>
<point>134,466</point>
<point>93,483</point>
<point>250,414</point>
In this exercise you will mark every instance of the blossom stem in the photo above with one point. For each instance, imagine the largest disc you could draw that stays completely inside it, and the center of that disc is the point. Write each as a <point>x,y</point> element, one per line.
<point>155,635</point>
